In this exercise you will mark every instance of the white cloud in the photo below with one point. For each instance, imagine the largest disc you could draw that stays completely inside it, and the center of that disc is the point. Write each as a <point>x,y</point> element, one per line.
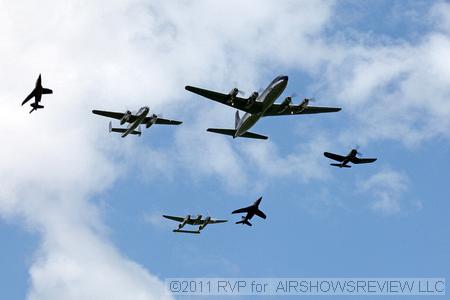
<point>127,54</point>
<point>387,189</point>
<point>117,56</point>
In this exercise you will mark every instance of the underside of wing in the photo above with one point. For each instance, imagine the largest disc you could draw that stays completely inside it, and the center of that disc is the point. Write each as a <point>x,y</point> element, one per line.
<point>334,156</point>
<point>280,110</point>
<point>31,95</point>
<point>177,219</point>
<point>357,160</point>
<point>47,91</point>
<point>238,102</point>
<point>241,210</point>
<point>162,121</point>
<point>260,214</point>
<point>212,221</point>
<point>109,114</point>
<point>320,109</point>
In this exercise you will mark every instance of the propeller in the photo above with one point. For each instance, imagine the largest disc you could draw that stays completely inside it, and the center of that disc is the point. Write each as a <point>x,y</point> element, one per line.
<point>357,151</point>
<point>239,92</point>
<point>308,100</point>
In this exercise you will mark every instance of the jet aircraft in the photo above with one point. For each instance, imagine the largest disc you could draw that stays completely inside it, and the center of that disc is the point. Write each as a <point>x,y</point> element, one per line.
<point>352,157</point>
<point>251,211</point>
<point>193,221</point>
<point>257,106</point>
<point>134,120</point>
<point>37,93</point>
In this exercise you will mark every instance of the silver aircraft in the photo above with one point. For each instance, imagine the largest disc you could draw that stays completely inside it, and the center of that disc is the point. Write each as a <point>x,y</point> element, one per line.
<point>257,106</point>
<point>193,221</point>
<point>134,120</point>
<point>37,93</point>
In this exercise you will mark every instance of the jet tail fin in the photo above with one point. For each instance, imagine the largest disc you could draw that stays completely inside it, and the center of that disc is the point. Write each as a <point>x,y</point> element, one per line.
<point>232,132</point>
<point>340,165</point>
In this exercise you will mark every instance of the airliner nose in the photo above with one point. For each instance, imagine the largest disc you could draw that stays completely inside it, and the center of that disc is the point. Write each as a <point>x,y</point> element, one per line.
<point>285,78</point>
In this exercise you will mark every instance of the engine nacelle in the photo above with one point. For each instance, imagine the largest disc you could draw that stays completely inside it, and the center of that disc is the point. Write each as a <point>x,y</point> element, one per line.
<point>304,104</point>
<point>181,225</point>
<point>232,95</point>
<point>252,99</point>
<point>205,223</point>
<point>152,121</point>
<point>125,117</point>
<point>285,104</point>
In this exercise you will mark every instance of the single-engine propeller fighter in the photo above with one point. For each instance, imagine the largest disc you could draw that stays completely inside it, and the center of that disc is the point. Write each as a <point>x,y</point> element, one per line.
<point>193,221</point>
<point>257,106</point>
<point>352,157</point>
<point>251,211</point>
<point>37,94</point>
<point>134,120</point>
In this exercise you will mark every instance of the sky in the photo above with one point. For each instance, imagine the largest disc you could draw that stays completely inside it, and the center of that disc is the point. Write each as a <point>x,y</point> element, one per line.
<point>80,208</point>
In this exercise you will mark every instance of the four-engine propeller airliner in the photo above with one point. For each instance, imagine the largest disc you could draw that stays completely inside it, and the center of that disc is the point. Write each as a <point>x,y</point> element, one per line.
<point>37,94</point>
<point>193,221</point>
<point>134,120</point>
<point>257,106</point>
<point>251,211</point>
<point>352,157</point>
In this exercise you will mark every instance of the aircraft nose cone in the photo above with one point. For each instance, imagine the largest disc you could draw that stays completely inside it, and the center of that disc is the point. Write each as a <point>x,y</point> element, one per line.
<point>284,77</point>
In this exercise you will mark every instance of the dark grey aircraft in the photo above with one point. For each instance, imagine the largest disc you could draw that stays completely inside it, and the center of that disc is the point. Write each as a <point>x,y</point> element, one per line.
<point>351,157</point>
<point>134,120</point>
<point>251,211</point>
<point>37,94</point>
<point>193,221</point>
<point>257,106</point>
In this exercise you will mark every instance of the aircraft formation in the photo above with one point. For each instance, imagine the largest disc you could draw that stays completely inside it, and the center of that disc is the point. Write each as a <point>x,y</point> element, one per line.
<point>255,107</point>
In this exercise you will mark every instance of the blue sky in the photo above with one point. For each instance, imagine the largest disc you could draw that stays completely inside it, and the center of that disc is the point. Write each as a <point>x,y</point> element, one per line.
<point>96,209</point>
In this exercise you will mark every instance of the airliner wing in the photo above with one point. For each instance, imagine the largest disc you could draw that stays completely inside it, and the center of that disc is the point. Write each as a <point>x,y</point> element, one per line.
<point>241,210</point>
<point>279,110</point>
<point>238,102</point>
